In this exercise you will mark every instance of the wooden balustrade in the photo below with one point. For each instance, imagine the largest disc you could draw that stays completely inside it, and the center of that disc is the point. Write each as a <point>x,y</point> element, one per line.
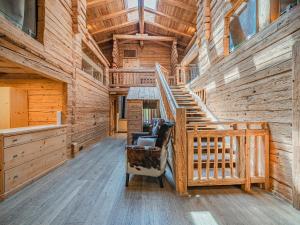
<point>126,78</point>
<point>238,153</point>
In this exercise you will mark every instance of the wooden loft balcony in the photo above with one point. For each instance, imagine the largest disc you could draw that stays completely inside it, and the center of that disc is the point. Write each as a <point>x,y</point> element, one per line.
<point>203,95</point>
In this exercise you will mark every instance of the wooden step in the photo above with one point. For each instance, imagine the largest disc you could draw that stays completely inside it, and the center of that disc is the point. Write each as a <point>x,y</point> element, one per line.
<point>197,119</point>
<point>192,114</point>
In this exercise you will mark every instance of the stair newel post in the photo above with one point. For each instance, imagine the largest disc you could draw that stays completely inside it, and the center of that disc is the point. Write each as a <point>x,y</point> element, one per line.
<point>181,151</point>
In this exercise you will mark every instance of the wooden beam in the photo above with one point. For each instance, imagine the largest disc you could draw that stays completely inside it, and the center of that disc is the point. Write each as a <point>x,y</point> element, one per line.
<point>144,37</point>
<point>192,41</point>
<point>169,29</point>
<point>132,70</point>
<point>110,39</point>
<point>112,15</point>
<point>183,44</point>
<point>175,19</point>
<point>296,125</point>
<point>141,18</point>
<point>112,28</point>
<point>95,3</point>
<point>180,4</point>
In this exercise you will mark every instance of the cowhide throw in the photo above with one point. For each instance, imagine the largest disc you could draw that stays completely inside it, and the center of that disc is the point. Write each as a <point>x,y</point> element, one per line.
<point>146,157</point>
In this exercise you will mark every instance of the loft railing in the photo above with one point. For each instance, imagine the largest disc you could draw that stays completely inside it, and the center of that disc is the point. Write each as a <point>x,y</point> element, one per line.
<point>236,154</point>
<point>131,77</point>
<point>185,74</point>
<point>171,111</point>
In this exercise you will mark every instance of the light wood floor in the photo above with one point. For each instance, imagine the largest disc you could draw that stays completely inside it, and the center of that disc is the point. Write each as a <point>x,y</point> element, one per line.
<point>90,190</point>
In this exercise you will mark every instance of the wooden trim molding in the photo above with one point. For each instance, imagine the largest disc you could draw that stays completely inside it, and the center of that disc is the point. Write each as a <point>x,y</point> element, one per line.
<point>296,125</point>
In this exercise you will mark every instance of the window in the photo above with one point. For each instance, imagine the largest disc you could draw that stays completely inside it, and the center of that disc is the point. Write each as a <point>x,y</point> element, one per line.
<point>23,13</point>
<point>130,53</point>
<point>242,24</point>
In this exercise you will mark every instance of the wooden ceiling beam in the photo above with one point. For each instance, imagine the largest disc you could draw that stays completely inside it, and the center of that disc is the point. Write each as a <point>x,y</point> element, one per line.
<point>180,4</point>
<point>112,28</point>
<point>141,18</point>
<point>175,19</point>
<point>110,39</point>
<point>192,41</point>
<point>112,15</point>
<point>178,42</point>
<point>168,29</point>
<point>144,37</point>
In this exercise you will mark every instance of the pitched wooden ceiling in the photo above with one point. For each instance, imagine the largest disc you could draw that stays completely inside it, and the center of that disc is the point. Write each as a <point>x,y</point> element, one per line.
<point>176,18</point>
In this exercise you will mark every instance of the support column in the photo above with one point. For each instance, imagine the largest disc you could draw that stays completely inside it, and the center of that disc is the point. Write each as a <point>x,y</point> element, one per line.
<point>296,125</point>
<point>115,63</point>
<point>174,58</point>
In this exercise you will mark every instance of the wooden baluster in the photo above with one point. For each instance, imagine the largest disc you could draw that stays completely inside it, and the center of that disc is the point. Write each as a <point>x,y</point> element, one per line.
<point>247,163</point>
<point>231,156</point>
<point>266,151</point>
<point>199,139</point>
<point>223,156</point>
<point>256,155</point>
<point>216,148</point>
<point>208,158</point>
<point>190,150</point>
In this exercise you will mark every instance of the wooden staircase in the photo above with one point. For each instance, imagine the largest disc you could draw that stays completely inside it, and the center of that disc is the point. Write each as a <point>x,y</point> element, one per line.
<point>194,115</point>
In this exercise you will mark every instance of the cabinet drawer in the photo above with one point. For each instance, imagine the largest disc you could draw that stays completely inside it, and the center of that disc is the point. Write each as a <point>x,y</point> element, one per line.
<point>30,137</point>
<point>17,155</point>
<point>26,172</point>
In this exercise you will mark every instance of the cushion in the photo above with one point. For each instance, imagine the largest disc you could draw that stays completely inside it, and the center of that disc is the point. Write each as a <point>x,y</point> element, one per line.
<point>143,141</point>
<point>163,134</point>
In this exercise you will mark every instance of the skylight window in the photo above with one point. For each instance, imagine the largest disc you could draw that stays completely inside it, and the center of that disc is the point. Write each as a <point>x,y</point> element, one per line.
<point>148,3</point>
<point>132,3</point>
<point>151,4</point>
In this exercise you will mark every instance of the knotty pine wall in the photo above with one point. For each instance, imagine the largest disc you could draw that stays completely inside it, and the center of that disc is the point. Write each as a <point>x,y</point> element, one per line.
<point>56,56</point>
<point>254,83</point>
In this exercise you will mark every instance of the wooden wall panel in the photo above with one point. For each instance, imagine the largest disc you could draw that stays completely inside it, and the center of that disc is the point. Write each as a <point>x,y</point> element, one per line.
<point>45,96</point>
<point>91,121</point>
<point>254,83</point>
<point>149,54</point>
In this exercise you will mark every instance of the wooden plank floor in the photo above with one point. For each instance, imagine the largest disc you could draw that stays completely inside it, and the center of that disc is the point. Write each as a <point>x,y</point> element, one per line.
<point>90,190</point>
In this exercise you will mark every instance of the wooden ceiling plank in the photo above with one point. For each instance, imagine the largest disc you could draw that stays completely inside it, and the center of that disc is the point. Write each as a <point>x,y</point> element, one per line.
<point>95,3</point>
<point>112,28</point>
<point>175,19</point>
<point>169,29</point>
<point>112,15</point>
<point>180,4</point>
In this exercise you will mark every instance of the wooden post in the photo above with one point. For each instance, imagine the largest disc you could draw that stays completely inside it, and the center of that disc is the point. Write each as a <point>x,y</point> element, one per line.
<point>296,125</point>
<point>174,58</point>
<point>181,152</point>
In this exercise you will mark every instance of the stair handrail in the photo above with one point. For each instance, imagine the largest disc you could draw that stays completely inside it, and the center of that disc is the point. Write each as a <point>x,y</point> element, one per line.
<point>167,91</point>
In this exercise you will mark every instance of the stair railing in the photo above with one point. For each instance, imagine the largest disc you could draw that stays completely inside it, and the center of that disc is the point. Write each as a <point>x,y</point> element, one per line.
<point>178,114</point>
<point>237,155</point>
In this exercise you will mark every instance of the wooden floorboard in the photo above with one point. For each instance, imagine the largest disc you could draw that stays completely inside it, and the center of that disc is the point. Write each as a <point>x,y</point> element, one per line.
<point>90,190</point>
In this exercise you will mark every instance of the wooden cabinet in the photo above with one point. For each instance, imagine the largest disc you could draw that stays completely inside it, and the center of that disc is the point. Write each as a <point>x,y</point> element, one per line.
<point>28,153</point>
<point>14,108</point>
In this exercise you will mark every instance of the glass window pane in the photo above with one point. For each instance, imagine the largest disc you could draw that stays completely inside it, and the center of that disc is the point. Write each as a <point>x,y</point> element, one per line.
<point>243,24</point>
